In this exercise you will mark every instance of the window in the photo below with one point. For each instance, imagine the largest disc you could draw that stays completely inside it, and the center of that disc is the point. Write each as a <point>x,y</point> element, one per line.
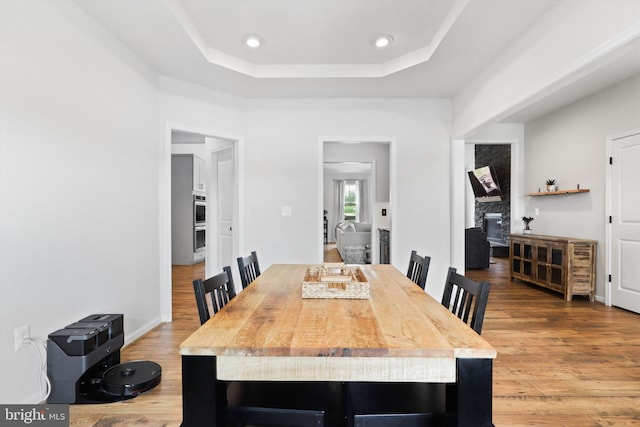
<point>351,200</point>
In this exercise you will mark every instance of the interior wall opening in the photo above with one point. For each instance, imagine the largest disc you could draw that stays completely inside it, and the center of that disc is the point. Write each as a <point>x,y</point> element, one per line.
<point>197,174</point>
<point>488,218</point>
<point>355,199</point>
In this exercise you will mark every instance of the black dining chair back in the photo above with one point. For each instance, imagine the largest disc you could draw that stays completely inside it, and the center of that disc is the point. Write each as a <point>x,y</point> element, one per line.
<point>220,289</point>
<point>418,268</point>
<point>249,269</point>
<point>466,298</point>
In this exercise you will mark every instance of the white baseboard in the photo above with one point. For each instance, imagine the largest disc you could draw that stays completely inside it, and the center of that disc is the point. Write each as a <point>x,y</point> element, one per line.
<point>133,336</point>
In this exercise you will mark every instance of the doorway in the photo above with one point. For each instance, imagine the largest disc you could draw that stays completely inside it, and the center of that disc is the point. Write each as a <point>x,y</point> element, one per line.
<point>355,187</point>
<point>501,157</point>
<point>206,144</point>
<point>623,242</point>
<point>189,210</point>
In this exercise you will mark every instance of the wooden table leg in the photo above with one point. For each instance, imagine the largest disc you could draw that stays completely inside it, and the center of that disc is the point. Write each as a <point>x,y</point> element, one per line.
<point>474,392</point>
<point>203,397</point>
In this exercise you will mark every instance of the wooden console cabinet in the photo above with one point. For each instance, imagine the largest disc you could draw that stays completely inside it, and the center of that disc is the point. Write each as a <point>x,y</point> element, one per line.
<point>562,264</point>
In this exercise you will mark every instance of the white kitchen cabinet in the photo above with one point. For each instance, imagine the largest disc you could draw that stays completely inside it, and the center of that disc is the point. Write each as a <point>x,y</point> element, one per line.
<point>199,175</point>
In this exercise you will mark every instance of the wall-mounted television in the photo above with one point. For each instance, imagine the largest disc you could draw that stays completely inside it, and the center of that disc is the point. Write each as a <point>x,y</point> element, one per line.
<point>484,182</point>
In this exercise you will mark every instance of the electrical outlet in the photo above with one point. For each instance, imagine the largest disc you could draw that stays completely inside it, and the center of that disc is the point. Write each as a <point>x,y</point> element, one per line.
<point>21,334</point>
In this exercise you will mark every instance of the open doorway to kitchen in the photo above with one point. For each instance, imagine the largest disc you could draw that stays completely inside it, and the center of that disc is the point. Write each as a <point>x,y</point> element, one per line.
<point>356,198</point>
<point>202,176</point>
<point>189,204</point>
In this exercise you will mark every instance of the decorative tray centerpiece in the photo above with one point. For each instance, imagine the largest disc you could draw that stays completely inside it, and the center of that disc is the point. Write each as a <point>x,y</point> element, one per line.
<point>335,281</point>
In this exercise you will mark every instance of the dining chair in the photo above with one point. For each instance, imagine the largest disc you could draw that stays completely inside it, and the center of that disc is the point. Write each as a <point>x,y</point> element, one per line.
<point>418,268</point>
<point>249,269</point>
<point>419,404</point>
<point>220,289</point>
<point>277,403</point>
<point>465,297</point>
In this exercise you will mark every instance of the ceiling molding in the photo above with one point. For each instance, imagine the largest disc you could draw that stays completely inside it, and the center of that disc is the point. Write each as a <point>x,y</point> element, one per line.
<point>265,71</point>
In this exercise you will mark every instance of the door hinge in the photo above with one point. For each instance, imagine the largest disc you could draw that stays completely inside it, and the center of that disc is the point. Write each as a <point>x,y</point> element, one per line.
<point>610,219</point>
<point>609,278</point>
<point>610,160</point>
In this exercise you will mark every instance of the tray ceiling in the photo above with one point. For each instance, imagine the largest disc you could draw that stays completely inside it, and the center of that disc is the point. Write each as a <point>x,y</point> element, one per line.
<point>325,49</point>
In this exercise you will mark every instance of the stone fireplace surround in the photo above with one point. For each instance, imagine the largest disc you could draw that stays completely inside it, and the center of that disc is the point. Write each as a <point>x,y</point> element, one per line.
<point>498,156</point>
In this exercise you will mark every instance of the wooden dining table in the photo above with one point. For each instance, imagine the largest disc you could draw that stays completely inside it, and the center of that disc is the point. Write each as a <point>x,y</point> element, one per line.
<point>268,332</point>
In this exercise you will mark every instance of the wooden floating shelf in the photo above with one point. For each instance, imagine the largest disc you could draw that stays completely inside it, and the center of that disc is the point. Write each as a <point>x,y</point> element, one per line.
<point>555,193</point>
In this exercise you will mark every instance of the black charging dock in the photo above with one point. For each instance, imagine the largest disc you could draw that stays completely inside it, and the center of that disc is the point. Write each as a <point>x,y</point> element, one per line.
<point>83,363</point>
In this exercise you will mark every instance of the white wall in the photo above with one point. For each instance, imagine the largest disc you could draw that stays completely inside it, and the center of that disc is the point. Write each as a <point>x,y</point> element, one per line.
<point>196,109</point>
<point>78,182</point>
<point>282,161</point>
<point>569,145</point>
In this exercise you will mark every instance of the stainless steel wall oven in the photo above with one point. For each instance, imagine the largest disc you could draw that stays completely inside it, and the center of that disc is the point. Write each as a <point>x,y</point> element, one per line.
<point>199,238</point>
<point>199,210</point>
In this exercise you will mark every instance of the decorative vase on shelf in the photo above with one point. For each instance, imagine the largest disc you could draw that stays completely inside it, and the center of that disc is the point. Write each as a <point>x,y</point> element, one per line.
<point>527,231</point>
<point>551,185</point>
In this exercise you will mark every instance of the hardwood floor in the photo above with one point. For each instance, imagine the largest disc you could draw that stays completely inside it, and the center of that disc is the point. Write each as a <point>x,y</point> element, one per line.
<point>331,253</point>
<point>161,406</point>
<point>559,363</point>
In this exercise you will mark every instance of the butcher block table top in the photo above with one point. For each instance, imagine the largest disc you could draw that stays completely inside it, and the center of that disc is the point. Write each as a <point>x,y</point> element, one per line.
<point>269,332</point>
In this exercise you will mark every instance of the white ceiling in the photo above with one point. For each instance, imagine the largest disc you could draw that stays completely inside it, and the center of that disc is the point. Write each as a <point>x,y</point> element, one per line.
<point>321,32</point>
<point>324,48</point>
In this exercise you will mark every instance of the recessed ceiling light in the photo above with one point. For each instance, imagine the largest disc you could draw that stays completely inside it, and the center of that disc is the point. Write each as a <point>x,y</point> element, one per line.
<point>252,41</point>
<point>384,40</point>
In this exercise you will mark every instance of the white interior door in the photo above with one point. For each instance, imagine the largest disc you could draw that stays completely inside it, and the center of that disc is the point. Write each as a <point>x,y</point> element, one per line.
<point>625,223</point>
<point>225,189</point>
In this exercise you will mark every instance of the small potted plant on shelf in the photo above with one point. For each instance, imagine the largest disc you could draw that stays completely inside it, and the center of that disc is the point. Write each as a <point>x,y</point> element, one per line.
<point>527,220</point>
<point>551,185</point>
